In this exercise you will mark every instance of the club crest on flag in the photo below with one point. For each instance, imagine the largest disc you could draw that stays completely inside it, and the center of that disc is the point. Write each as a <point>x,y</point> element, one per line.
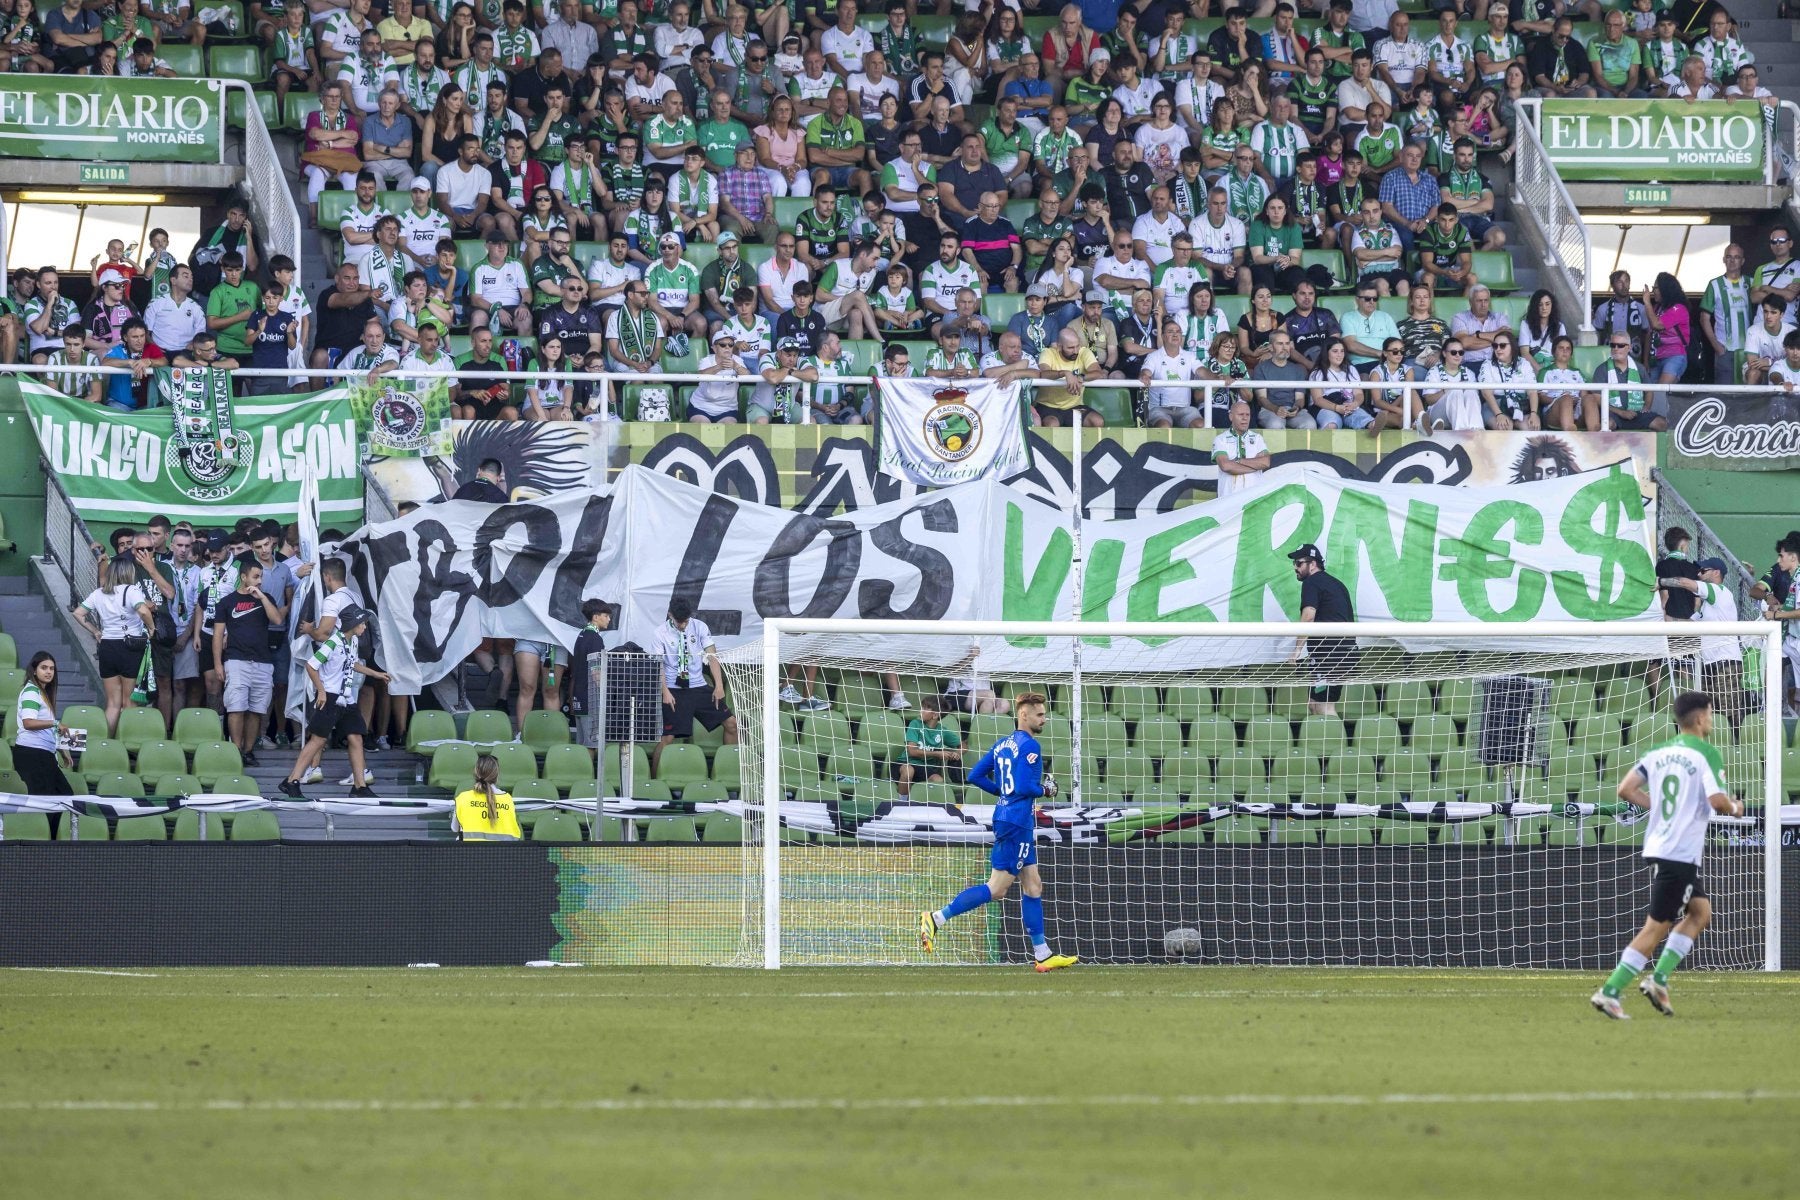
<point>399,415</point>
<point>952,427</point>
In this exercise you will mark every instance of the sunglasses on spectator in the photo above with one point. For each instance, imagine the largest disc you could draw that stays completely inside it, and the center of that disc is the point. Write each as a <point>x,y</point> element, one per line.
<point>1448,351</point>
<point>1621,345</point>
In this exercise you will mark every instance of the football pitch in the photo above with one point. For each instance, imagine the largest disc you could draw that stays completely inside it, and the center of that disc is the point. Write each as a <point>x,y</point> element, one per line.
<point>154,1082</point>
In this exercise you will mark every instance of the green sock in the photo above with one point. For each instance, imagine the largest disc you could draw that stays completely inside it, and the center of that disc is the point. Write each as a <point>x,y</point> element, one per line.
<point>1674,950</point>
<point>1631,964</point>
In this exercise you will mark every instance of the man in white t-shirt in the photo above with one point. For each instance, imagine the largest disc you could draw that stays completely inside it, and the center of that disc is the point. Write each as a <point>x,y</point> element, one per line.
<point>716,403</point>
<point>1153,234</point>
<point>1721,658</point>
<point>1170,361</point>
<point>689,658</point>
<point>422,227</point>
<point>498,288</point>
<point>1240,452</point>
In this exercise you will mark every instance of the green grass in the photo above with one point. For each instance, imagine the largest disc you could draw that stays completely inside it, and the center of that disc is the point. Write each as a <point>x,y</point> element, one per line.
<point>895,1083</point>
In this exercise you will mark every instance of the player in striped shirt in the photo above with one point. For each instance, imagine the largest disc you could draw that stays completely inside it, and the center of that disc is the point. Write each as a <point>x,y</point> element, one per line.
<point>1681,783</point>
<point>332,669</point>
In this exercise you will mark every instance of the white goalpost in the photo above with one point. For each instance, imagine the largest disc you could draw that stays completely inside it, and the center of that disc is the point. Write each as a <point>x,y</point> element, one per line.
<point>1399,794</point>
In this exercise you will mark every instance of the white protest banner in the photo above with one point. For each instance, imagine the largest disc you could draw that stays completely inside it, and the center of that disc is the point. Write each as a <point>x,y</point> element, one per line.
<point>940,432</point>
<point>445,576</point>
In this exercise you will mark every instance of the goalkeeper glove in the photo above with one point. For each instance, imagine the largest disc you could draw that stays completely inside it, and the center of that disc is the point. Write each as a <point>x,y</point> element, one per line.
<point>1049,786</point>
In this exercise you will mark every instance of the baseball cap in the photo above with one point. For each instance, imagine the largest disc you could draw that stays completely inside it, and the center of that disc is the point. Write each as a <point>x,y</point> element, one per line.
<point>669,239</point>
<point>1094,296</point>
<point>216,540</point>
<point>496,236</point>
<point>352,616</point>
<point>725,235</point>
<point>1308,551</point>
<point>420,184</point>
<point>1712,564</point>
<point>1041,291</point>
<point>790,343</point>
<point>111,276</point>
<point>721,334</point>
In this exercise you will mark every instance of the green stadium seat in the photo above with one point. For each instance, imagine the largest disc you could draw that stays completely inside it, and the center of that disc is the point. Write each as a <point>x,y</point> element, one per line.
<point>1322,736</point>
<point>1295,774</point>
<point>1113,405</point>
<point>188,62</point>
<point>1350,831</point>
<point>799,767</point>
<point>651,789</point>
<point>104,756</point>
<point>236,62</point>
<point>1126,773</point>
<point>119,785</point>
<point>1290,702</point>
<point>703,791</point>
<point>1625,699</point>
<point>157,759</point>
<point>83,827</point>
<point>266,104</point>
<point>723,828</point>
<point>214,760</point>
<point>1240,831</point>
<point>1157,736</point>
<point>84,716</point>
<point>516,762</point>
<point>681,762</point>
<point>850,763</point>
<point>1495,270</point>
<point>1407,700</point>
<point>300,105</point>
<point>1332,261</point>
<point>1135,702</point>
<point>178,784</point>
<point>1407,772</point>
<point>196,727</point>
<point>823,731</point>
<point>1104,734</point>
<point>1359,700</point>
<point>534,789</point>
<point>640,767</point>
<point>187,826</point>
<point>671,829</point>
<point>1433,734</point>
<point>258,825</point>
<point>933,795</point>
<point>235,785</point>
<point>884,733</point>
<point>1236,772</point>
<point>1460,769</point>
<point>1001,307</point>
<point>140,829</point>
<point>429,725</point>
<point>788,210</point>
<point>1406,833</point>
<point>544,730</point>
<point>727,767</point>
<point>1268,736</point>
<point>1353,774</point>
<point>452,767</point>
<point>1457,699</point>
<point>25,826</point>
<point>1211,736</point>
<point>755,254</point>
<point>562,827</point>
<point>9,649</point>
<point>1569,834</point>
<point>1240,704</point>
<point>140,725</point>
<point>1188,704</point>
<point>486,725</point>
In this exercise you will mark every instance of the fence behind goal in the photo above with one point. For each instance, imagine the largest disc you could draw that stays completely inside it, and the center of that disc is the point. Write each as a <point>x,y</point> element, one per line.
<point>1453,805</point>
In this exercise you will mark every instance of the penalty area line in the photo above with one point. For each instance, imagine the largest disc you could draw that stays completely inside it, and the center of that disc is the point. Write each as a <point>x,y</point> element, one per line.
<point>759,1104</point>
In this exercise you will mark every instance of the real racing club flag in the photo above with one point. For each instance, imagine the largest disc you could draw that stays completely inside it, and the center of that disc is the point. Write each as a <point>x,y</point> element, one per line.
<point>938,432</point>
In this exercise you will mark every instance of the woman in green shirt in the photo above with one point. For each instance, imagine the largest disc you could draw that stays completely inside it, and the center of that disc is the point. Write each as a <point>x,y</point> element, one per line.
<point>1086,93</point>
<point>1274,246</point>
<point>1219,140</point>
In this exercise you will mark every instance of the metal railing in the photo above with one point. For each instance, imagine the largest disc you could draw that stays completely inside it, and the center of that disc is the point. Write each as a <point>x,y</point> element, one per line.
<point>1214,402</point>
<point>1539,193</point>
<point>265,182</point>
<point>69,569</point>
<point>1784,136</point>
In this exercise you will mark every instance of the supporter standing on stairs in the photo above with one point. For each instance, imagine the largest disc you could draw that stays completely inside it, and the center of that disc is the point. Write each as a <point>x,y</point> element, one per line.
<point>331,669</point>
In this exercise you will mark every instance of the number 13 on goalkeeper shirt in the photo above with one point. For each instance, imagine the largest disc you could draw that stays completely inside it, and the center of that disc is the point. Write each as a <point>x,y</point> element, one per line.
<point>1013,771</point>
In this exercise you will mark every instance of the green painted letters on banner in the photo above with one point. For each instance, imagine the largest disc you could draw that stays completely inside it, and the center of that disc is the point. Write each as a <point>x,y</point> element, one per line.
<point>1658,140</point>
<point>112,120</point>
<point>122,468</point>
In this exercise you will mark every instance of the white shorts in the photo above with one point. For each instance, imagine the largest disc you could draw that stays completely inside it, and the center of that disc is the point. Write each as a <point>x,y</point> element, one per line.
<point>834,311</point>
<point>249,686</point>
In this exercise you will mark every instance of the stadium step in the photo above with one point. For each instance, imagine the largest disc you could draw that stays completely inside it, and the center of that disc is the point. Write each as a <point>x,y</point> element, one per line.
<point>26,617</point>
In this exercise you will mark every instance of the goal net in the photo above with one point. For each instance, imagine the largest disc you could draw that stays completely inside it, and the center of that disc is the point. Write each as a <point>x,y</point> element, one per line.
<point>1377,802</point>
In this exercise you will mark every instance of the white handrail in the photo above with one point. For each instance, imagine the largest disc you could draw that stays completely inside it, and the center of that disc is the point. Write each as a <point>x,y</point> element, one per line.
<point>1568,250</point>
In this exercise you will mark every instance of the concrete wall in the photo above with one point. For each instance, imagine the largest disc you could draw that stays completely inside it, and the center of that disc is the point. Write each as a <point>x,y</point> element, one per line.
<point>1748,509</point>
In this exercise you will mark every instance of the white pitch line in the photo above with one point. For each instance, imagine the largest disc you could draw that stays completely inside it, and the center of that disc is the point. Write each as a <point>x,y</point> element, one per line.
<point>761,1104</point>
<point>88,971</point>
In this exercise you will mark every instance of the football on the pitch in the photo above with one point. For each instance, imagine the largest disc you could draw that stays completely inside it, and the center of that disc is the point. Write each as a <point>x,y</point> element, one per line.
<point>1182,943</point>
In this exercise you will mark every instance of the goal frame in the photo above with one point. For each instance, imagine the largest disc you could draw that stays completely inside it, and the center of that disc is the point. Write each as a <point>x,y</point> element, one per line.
<point>1768,633</point>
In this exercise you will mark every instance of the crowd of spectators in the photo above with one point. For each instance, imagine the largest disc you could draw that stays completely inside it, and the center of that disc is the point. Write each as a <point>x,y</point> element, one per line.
<point>987,189</point>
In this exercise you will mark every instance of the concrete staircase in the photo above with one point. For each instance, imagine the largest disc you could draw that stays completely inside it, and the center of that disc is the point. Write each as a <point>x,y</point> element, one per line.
<point>26,615</point>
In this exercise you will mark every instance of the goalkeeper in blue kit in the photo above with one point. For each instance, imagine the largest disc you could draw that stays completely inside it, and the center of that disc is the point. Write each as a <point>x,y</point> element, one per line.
<point>1013,770</point>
